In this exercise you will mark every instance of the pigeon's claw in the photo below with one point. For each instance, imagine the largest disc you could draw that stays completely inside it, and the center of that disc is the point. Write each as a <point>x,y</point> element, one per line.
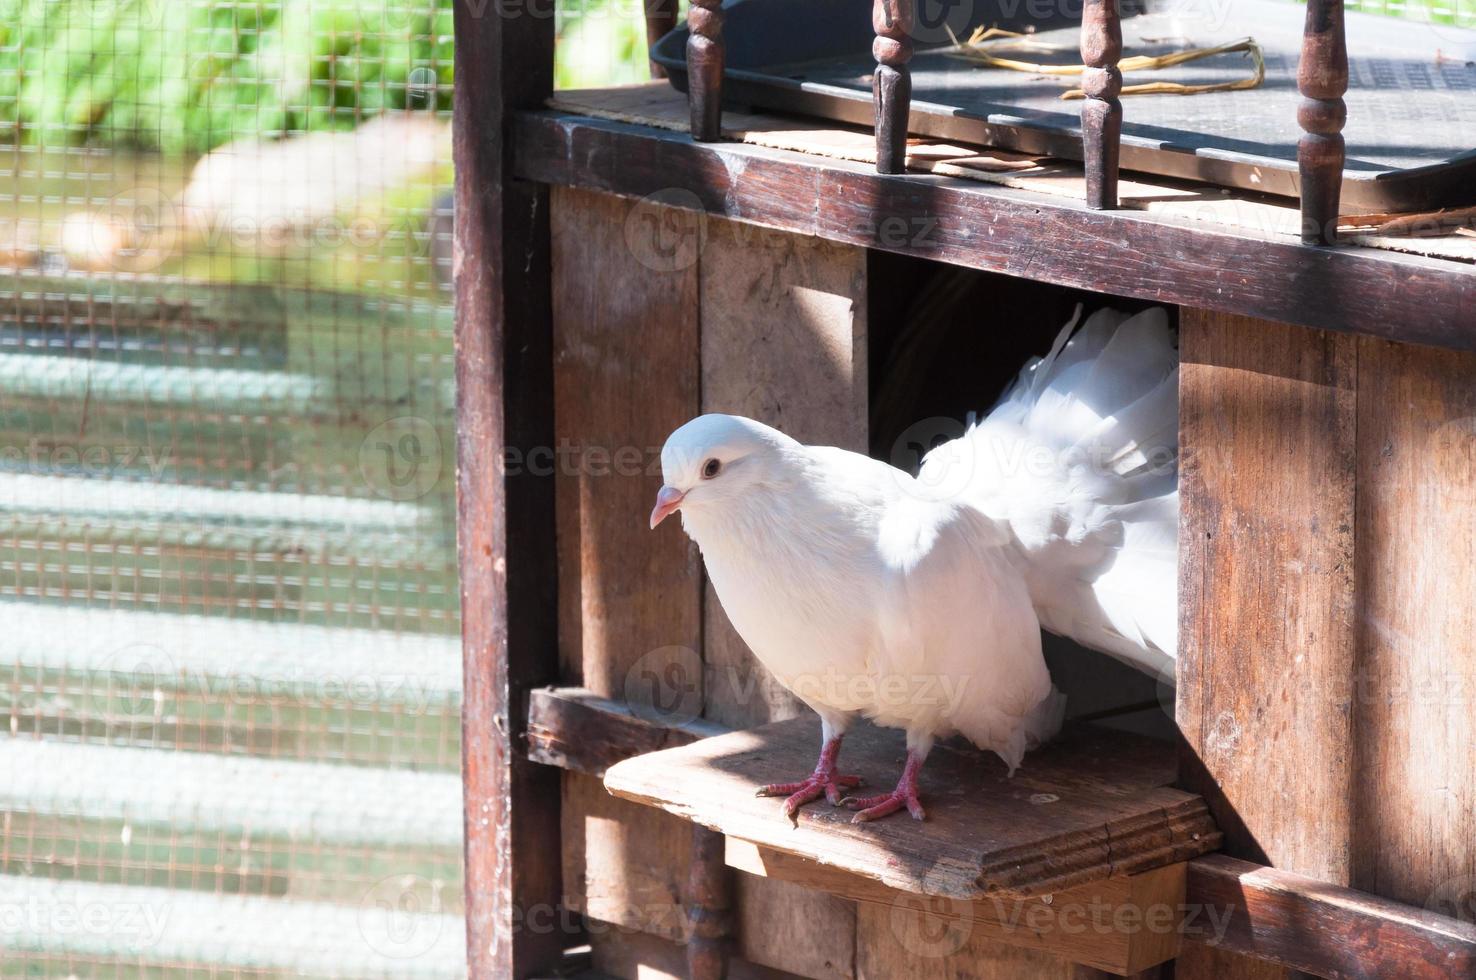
<point>875,807</point>
<point>905,795</point>
<point>810,788</point>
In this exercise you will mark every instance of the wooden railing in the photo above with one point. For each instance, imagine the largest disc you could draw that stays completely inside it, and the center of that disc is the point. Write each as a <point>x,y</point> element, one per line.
<point>1322,78</point>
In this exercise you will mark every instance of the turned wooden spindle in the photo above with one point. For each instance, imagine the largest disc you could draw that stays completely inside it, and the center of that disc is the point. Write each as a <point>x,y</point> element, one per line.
<point>1322,78</point>
<point>661,18</point>
<point>709,903</point>
<point>1101,110</point>
<point>891,85</point>
<point>705,68</point>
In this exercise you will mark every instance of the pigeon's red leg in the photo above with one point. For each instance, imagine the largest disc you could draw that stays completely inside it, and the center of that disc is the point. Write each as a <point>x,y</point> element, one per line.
<point>823,780</point>
<point>905,795</point>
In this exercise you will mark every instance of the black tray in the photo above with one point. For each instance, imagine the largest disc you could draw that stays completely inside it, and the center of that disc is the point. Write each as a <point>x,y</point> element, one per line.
<point>1411,131</point>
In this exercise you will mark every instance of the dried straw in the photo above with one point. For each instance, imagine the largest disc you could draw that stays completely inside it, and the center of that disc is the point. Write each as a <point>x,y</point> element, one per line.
<point>974,49</point>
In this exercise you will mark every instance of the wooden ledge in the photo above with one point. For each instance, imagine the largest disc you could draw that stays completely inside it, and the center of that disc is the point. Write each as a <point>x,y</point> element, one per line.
<point>1093,805</point>
<point>1003,229</point>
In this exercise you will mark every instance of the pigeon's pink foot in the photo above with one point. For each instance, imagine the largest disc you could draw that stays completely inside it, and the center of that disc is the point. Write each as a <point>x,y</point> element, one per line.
<point>905,795</point>
<point>824,780</point>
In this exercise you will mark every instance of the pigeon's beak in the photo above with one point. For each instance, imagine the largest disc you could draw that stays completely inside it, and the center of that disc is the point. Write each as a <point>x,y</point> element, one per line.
<point>668,499</point>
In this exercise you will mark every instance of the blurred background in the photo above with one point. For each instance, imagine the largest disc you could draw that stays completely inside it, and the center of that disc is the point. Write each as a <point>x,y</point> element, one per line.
<point>228,597</point>
<point>228,600</point>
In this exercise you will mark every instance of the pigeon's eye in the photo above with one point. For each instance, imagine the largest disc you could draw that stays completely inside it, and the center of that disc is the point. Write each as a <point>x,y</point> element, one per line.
<point>710,469</point>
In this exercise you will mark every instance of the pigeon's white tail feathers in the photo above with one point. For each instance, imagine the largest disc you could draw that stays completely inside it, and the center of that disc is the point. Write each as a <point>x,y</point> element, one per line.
<point>1046,720</point>
<point>1079,457</point>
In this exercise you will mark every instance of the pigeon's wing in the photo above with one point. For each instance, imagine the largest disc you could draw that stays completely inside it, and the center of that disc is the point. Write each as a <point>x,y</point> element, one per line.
<point>960,627</point>
<point>1079,459</point>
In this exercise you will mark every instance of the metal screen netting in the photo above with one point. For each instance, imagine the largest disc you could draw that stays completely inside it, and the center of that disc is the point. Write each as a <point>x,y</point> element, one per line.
<point>227,549</point>
<point>228,592</point>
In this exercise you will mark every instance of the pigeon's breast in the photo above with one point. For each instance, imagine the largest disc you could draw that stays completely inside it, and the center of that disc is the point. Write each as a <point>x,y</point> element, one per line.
<point>805,602</point>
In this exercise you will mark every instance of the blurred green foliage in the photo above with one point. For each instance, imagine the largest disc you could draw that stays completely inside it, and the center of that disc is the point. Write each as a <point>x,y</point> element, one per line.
<point>188,75</point>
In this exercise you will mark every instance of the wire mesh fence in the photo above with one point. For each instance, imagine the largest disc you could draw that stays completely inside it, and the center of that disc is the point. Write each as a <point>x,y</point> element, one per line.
<point>229,717</point>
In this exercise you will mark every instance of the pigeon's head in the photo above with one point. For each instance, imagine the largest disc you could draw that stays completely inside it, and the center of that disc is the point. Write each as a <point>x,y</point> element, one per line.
<point>714,459</point>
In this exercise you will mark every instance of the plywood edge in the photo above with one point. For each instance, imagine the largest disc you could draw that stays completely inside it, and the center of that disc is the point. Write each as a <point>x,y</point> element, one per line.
<point>1121,924</point>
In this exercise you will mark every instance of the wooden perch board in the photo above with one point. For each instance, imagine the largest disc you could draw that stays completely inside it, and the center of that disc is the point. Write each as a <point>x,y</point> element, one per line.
<point>1094,804</point>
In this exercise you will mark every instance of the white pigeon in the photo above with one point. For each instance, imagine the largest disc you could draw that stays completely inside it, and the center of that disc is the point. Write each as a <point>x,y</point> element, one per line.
<point>917,601</point>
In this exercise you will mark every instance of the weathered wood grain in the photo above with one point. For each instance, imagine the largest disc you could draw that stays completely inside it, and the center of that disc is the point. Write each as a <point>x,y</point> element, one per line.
<point>645,957</point>
<point>1414,689</point>
<point>1322,78</point>
<point>625,296</point>
<point>705,60</point>
<point>575,729</point>
<point>1323,929</point>
<point>1091,805</point>
<point>1101,109</point>
<point>1002,229</point>
<point>504,521</point>
<point>891,82</point>
<point>1266,545</point>
<point>1121,924</point>
<point>623,865</point>
<point>784,342</point>
<point>625,310</point>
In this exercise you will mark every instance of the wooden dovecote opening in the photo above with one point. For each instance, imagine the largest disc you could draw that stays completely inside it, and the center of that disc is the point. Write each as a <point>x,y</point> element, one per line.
<point>640,278</point>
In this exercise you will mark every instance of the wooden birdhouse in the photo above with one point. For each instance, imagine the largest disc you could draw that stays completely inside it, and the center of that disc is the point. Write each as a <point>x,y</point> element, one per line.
<point>1299,799</point>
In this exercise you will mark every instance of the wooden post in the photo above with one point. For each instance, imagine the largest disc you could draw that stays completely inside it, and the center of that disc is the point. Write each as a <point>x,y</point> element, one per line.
<point>891,85</point>
<point>1267,644</point>
<point>705,68</point>
<point>661,18</point>
<point>1322,78</point>
<point>1101,110</point>
<point>709,907</point>
<point>505,522</point>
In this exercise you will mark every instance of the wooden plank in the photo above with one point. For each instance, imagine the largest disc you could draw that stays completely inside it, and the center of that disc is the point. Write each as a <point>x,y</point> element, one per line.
<point>1092,804</point>
<point>1001,229</point>
<point>1414,696</point>
<point>1266,589</point>
<point>1121,924</point>
<point>575,729</point>
<point>1323,929</point>
<point>784,342</point>
<point>624,312</point>
<point>1233,905</point>
<point>626,374</point>
<point>637,956</point>
<point>505,521</point>
<point>624,865</point>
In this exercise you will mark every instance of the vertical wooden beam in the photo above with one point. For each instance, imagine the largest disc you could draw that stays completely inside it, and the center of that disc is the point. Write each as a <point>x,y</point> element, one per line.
<point>1101,109</point>
<point>661,18</point>
<point>1266,589</point>
<point>784,342</point>
<point>1415,689</point>
<point>505,521</point>
<point>1322,78</point>
<point>630,599</point>
<point>705,68</point>
<point>891,85</point>
<point>709,907</point>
